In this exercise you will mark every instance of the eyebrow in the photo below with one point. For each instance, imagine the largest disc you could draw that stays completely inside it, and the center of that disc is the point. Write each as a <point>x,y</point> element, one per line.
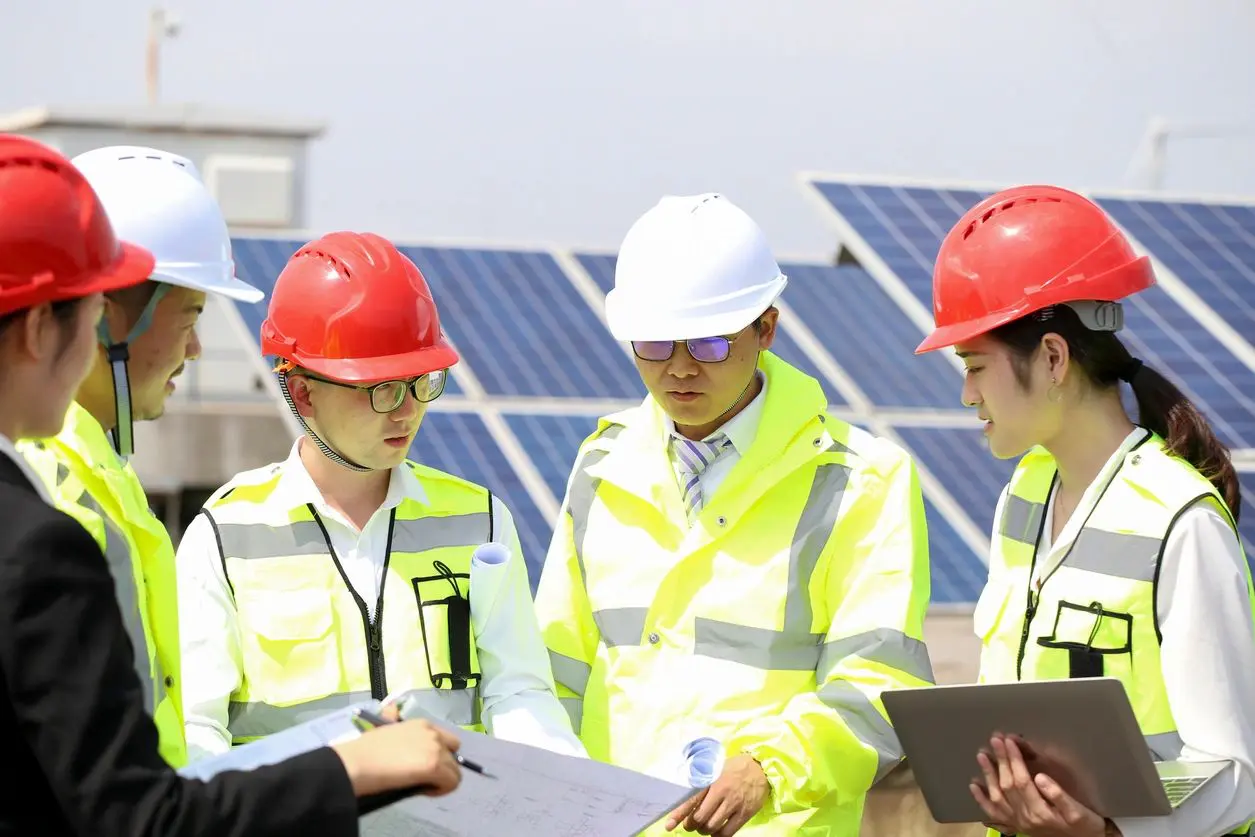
<point>966,355</point>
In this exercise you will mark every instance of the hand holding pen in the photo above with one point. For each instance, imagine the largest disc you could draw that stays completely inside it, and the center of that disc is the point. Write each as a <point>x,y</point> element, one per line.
<point>365,720</point>
<point>398,760</point>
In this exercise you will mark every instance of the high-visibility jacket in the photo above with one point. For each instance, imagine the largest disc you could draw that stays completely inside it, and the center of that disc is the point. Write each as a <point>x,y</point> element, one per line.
<point>1095,615</point>
<point>89,482</point>
<point>307,642</point>
<point>772,624</point>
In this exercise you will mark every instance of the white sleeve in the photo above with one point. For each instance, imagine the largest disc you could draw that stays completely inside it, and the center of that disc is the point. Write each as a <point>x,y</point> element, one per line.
<point>209,637</point>
<point>520,703</point>
<point>1208,660</point>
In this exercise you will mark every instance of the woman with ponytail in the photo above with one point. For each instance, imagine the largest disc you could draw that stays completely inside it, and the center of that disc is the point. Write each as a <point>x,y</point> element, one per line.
<point>1115,551</point>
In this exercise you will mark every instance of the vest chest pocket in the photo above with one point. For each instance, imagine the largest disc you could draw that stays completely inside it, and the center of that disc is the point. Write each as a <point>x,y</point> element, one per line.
<point>444,616</point>
<point>288,638</point>
<point>1089,633</point>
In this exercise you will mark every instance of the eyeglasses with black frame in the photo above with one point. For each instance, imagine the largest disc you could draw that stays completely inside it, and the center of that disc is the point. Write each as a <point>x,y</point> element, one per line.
<point>388,396</point>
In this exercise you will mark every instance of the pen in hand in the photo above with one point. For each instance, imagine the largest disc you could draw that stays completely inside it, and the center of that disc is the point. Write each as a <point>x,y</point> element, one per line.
<point>369,720</point>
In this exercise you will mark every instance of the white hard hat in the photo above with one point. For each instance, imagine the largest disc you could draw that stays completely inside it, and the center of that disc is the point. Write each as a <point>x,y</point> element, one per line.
<point>156,199</point>
<point>692,266</point>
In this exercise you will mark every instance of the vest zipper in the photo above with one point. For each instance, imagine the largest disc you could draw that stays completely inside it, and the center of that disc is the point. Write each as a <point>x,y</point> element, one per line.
<point>374,628</point>
<point>1029,613</point>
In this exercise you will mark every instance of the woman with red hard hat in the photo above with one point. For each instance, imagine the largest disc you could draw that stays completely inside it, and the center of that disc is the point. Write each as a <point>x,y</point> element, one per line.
<point>1114,550</point>
<point>81,751</point>
<point>348,572</point>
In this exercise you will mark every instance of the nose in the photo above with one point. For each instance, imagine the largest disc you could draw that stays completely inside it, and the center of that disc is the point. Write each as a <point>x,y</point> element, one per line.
<point>969,396</point>
<point>409,409</point>
<point>681,363</point>
<point>193,346</point>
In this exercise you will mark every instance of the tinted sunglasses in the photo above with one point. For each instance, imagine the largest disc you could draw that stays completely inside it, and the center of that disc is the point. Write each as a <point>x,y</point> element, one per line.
<point>388,396</point>
<point>701,349</point>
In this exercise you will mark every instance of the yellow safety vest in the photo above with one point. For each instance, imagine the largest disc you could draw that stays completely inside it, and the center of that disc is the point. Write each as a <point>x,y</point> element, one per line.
<point>1095,615</point>
<point>771,624</point>
<point>89,482</point>
<point>307,643</point>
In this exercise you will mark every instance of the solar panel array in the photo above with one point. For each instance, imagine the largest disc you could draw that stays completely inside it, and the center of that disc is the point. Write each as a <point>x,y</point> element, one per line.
<point>538,365</point>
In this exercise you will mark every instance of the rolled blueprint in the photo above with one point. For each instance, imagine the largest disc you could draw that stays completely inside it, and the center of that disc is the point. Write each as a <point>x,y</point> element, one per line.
<point>702,762</point>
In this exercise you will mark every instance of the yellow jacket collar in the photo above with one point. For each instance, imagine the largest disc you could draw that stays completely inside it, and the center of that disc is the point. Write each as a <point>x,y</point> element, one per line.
<point>794,409</point>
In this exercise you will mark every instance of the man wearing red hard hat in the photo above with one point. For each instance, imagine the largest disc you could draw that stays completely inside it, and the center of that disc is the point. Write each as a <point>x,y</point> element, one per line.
<point>1114,550</point>
<point>348,572</point>
<point>80,744</point>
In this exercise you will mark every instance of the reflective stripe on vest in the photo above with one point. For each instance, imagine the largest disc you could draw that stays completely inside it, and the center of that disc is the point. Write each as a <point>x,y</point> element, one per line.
<point>306,643</point>
<point>118,558</point>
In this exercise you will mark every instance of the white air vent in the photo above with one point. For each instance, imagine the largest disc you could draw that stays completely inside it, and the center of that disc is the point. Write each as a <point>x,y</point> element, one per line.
<point>253,191</point>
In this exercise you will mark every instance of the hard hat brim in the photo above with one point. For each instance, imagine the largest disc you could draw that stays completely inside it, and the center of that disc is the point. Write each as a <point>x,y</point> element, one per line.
<point>374,369</point>
<point>212,279</point>
<point>955,333</point>
<point>644,319</point>
<point>134,266</point>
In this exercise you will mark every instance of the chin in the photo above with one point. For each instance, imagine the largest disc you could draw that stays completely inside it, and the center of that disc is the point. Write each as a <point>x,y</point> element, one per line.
<point>1006,451</point>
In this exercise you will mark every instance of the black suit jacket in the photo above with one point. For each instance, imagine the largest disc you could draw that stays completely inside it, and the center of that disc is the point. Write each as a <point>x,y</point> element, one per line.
<point>78,750</point>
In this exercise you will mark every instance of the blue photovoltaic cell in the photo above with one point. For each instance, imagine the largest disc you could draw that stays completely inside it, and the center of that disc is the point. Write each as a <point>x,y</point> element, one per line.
<point>601,269</point>
<point>869,336</point>
<point>460,444</point>
<point>958,574</point>
<point>905,226</point>
<point>1210,247</point>
<point>552,442</point>
<point>522,327</point>
<point>258,261</point>
<point>962,463</point>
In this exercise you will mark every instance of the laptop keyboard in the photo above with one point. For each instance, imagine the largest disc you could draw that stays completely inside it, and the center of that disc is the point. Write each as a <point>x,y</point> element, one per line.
<point>1179,788</point>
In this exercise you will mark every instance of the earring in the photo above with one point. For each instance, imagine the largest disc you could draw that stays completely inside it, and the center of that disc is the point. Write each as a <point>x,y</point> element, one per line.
<point>1054,395</point>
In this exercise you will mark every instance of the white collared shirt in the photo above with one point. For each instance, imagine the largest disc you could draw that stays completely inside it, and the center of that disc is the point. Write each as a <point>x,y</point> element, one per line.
<point>520,702</point>
<point>740,430</point>
<point>7,448</point>
<point>1207,656</point>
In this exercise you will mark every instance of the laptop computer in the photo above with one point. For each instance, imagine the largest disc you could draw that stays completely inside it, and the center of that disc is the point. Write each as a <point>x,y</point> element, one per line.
<point>1082,733</point>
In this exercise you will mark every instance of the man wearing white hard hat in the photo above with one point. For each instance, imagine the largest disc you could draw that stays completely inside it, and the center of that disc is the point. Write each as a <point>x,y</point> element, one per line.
<point>734,569</point>
<point>147,334</point>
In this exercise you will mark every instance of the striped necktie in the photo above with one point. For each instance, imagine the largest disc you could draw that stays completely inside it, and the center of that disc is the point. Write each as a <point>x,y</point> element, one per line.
<point>692,458</point>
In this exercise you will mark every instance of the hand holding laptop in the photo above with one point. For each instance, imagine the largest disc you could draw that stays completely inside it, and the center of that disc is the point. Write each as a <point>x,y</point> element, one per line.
<point>1024,791</point>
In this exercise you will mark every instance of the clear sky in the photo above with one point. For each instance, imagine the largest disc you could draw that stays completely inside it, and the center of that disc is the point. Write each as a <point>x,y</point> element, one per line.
<point>562,120</point>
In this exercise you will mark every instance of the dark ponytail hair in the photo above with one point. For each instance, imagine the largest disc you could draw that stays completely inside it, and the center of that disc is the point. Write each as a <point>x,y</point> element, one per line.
<point>1161,406</point>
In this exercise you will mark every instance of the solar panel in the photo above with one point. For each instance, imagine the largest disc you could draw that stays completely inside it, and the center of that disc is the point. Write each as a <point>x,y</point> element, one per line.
<point>961,462</point>
<point>522,326</point>
<point>460,444</point>
<point>1210,247</point>
<point>905,226</point>
<point>552,443</point>
<point>601,269</point>
<point>869,336</point>
<point>258,261</point>
<point>958,574</point>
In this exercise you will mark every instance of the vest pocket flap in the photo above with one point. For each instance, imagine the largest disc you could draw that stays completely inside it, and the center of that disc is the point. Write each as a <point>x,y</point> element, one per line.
<point>288,616</point>
<point>1091,627</point>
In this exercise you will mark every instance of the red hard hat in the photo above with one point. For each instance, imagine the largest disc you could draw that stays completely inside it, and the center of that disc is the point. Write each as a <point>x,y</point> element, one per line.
<point>56,242</point>
<point>351,307</point>
<point>1025,249</point>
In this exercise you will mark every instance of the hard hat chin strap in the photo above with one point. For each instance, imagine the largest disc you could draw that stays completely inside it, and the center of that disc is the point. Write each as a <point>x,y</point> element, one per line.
<point>326,449</point>
<point>119,356</point>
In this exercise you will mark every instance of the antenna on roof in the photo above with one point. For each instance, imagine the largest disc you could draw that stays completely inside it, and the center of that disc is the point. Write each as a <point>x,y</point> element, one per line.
<point>161,25</point>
